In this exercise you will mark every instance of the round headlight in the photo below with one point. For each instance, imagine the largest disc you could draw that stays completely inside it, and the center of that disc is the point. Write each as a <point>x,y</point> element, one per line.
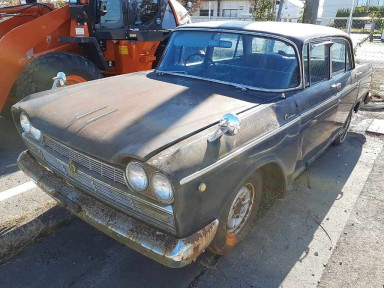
<point>136,176</point>
<point>162,188</point>
<point>25,123</point>
<point>36,134</point>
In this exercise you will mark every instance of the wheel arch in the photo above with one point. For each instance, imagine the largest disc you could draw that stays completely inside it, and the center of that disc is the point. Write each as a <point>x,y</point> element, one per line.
<point>274,178</point>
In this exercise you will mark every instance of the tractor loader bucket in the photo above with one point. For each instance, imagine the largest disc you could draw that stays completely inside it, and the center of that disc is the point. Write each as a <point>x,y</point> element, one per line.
<point>22,38</point>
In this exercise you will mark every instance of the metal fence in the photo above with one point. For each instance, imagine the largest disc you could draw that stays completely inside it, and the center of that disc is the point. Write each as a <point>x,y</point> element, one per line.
<point>358,25</point>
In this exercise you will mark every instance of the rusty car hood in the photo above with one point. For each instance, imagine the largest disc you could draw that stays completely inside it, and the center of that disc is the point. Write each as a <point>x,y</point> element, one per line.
<point>134,115</point>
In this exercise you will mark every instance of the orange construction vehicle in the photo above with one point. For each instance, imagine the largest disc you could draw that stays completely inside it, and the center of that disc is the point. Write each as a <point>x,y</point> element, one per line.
<point>86,40</point>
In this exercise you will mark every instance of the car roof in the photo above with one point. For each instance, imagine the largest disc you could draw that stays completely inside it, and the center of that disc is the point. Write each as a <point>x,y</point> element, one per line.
<point>297,32</point>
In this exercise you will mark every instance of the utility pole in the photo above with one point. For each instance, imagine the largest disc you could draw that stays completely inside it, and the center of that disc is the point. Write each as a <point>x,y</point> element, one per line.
<point>281,4</point>
<point>350,17</point>
<point>310,11</point>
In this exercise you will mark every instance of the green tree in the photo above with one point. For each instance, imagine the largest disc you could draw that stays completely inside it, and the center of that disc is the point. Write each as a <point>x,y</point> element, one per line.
<point>264,10</point>
<point>195,4</point>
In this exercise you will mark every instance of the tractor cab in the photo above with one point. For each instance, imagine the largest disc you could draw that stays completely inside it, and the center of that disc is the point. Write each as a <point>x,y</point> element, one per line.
<point>133,26</point>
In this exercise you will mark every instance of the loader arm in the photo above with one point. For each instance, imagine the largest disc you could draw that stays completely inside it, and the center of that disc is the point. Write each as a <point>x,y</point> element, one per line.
<point>18,45</point>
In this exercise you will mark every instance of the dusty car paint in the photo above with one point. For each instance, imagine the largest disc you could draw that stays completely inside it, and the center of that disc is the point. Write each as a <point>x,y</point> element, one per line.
<point>165,121</point>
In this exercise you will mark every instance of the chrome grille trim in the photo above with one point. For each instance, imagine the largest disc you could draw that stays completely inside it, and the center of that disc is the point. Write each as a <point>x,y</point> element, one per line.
<point>133,205</point>
<point>96,166</point>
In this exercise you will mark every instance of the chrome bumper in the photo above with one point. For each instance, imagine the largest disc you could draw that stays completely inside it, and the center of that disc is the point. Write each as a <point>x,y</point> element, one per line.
<point>141,237</point>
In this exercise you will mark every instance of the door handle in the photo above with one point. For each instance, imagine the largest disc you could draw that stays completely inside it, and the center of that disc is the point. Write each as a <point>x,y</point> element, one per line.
<point>358,74</point>
<point>339,100</point>
<point>336,86</point>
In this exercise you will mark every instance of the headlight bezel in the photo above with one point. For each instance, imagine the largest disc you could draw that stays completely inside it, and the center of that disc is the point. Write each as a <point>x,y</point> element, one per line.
<point>150,190</point>
<point>154,188</point>
<point>128,178</point>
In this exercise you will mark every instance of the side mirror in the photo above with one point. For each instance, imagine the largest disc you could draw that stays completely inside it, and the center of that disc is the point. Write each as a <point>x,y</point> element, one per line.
<point>59,81</point>
<point>229,125</point>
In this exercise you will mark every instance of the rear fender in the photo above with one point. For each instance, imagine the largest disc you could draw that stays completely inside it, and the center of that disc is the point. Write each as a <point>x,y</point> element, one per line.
<point>21,43</point>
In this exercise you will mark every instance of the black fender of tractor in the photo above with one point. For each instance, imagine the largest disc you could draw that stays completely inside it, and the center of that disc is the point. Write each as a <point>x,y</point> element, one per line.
<point>90,48</point>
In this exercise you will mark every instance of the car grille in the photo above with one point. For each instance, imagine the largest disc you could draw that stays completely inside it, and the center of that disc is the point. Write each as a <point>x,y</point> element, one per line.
<point>98,167</point>
<point>124,201</point>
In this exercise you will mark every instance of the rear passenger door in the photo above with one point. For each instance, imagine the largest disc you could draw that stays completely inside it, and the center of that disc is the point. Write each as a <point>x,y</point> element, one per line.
<point>341,69</point>
<point>318,102</point>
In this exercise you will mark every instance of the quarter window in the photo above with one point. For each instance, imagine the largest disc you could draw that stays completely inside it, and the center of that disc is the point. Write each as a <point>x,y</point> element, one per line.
<point>349,62</point>
<point>319,63</point>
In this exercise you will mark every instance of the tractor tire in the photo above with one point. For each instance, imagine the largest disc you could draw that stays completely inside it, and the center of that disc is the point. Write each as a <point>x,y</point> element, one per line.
<point>38,75</point>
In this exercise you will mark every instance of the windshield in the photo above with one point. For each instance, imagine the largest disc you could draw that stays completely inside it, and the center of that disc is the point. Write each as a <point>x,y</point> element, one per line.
<point>246,60</point>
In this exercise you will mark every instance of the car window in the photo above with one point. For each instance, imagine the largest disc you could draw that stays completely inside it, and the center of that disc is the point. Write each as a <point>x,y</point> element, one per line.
<point>254,61</point>
<point>259,45</point>
<point>264,45</point>
<point>319,63</point>
<point>338,56</point>
<point>233,46</point>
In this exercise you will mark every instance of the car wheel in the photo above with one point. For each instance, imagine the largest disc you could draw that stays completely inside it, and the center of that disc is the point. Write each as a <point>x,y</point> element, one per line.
<point>344,131</point>
<point>238,215</point>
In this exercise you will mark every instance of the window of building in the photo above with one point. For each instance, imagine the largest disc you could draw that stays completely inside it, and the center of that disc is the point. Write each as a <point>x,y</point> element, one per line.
<point>205,12</point>
<point>230,12</point>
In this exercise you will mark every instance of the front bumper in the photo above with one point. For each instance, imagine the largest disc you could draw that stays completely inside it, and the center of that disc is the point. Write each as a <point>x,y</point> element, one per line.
<point>141,237</point>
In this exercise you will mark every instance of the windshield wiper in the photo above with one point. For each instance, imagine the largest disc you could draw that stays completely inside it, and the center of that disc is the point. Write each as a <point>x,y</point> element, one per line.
<point>237,86</point>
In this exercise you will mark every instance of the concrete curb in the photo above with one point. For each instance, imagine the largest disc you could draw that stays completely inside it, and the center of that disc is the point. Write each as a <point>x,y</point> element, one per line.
<point>52,219</point>
<point>375,106</point>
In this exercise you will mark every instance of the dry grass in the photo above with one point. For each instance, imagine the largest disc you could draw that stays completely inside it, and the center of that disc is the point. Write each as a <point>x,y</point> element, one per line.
<point>12,244</point>
<point>377,83</point>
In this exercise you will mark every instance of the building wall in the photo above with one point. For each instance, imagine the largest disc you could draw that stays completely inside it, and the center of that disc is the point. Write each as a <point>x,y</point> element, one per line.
<point>292,9</point>
<point>228,8</point>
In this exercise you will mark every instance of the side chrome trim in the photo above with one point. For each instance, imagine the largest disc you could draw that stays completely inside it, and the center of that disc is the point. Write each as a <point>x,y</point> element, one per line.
<point>237,152</point>
<point>255,142</point>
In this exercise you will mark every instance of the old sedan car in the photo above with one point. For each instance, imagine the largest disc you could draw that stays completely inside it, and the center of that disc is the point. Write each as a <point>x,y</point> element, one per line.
<point>176,160</point>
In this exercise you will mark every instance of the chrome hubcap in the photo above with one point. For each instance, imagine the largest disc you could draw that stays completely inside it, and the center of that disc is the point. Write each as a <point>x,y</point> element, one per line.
<point>241,208</point>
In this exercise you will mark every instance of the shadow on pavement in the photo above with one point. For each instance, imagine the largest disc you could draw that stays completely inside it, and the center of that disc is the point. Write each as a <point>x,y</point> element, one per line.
<point>10,146</point>
<point>80,256</point>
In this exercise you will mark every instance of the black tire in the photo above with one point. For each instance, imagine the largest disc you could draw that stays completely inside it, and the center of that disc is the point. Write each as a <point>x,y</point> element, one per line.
<point>344,131</point>
<point>224,240</point>
<point>37,76</point>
